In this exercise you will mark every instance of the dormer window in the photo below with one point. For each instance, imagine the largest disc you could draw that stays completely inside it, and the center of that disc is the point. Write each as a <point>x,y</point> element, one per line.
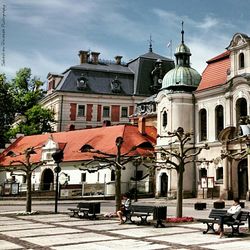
<point>82,83</point>
<point>115,85</point>
<point>241,61</point>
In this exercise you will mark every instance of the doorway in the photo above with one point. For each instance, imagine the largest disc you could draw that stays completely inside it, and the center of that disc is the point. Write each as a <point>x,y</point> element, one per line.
<point>164,184</point>
<point>47,179</point>
<point>242,179</point>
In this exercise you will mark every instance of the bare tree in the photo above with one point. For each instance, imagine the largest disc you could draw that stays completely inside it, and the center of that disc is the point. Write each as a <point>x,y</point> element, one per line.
<point>27,167</point>
<point>179,158</point>
<point>117,161</point>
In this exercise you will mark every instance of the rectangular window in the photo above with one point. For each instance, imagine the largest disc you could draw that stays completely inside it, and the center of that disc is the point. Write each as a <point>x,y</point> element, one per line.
<point>81,110</point>
<point>106,110</point>
<point>139,174</point>
<point>124,112</point>
<point>83,177</point>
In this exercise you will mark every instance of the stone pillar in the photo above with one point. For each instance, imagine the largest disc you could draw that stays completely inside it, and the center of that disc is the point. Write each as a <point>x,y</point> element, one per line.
<point>248,172</point>
<point>225,178</point>
<point>230,180</point>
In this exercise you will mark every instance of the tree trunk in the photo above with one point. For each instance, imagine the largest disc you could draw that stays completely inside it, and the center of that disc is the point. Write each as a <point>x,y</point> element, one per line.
<point>118,188</point>
<point>179,193</point>
<point>28,192</point>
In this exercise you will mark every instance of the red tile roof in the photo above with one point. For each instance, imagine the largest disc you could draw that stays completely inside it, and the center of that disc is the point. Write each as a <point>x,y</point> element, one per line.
<point>216,71</point>
<point>102,139</point>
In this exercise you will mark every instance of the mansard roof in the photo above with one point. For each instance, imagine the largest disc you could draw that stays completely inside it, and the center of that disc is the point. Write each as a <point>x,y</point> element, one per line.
<point>102,139</point>
<point>216,71</point>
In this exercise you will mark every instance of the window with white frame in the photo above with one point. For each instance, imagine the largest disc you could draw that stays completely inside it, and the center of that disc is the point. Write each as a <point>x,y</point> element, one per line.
<point>81,111</point>
<point>124,112</point>
<point>241,61</point>
<point>106,111</point>
<point>83,177</point>
<point>165,119</point>
<point>203,124</point>
<point>219,119</point>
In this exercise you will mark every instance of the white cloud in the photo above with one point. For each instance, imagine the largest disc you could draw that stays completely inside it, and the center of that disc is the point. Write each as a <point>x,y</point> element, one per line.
<point>208,23</point>
<point>39,64</point>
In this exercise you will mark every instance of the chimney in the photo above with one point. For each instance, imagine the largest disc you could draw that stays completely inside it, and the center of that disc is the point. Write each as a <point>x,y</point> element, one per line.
<point>141,125</point>
<point>118,59</point>
<point>84,56</point>
<point>94,57</point>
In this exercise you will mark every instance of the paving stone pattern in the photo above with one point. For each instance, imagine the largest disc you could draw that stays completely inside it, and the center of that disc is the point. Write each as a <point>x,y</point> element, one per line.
<point>59,231</point>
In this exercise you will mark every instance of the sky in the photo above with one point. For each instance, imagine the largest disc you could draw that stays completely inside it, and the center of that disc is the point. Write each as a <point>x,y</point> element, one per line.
<point>47,35</point>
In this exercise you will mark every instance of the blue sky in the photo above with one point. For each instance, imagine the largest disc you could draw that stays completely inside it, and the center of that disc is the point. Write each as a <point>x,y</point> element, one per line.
<point>46,35</point>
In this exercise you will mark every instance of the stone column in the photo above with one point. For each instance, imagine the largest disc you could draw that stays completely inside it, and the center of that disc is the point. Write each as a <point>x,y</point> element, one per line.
<point>225,178</point>
<point>248,172</point>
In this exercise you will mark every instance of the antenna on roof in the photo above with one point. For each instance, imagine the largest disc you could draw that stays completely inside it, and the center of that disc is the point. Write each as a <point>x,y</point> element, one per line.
<point>182,32</point>
<point>150,43</point>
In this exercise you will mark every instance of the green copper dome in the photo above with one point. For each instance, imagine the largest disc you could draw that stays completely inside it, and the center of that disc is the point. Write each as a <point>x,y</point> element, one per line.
<point>181,78</point>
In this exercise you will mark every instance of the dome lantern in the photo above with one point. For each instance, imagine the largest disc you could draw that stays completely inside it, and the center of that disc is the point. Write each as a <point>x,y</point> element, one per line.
<point>182,77</point>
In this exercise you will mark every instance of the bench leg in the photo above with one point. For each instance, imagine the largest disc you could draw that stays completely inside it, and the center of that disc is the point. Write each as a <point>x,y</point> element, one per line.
<point>128,219</point>
<point>143,220</point>
<point>235,230</point>
<point>74,213</point>
<point>210,226</point>
<point>159,223</point>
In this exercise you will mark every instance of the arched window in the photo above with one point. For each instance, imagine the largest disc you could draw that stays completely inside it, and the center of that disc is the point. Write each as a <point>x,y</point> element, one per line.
<point>241,61</point>
<point>219,119</point>
<point>165,119</point>
<point>203,173</point>
<point>219,173</point>
<point>241,108</point>
<point>203,125</point>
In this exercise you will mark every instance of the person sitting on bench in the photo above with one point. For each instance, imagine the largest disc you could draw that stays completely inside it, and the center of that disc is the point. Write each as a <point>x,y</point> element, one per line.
<point>231,215</point>
<point>125,208</point>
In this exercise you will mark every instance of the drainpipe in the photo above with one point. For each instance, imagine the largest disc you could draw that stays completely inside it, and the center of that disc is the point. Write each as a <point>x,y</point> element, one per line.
<point>60,118</point>
<point>194,184</point>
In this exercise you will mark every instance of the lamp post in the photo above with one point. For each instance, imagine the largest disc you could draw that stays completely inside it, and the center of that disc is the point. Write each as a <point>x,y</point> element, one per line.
<point>137,162</point>
<point>57,156</point>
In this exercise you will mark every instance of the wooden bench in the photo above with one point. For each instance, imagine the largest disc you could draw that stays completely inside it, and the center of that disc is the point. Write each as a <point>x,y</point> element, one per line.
<point>87,210</point>
<point>142,212</point>
<point>216,214</point>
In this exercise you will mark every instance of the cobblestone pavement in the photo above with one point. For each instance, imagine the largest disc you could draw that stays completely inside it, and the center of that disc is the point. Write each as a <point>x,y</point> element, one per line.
<point>60,231</point>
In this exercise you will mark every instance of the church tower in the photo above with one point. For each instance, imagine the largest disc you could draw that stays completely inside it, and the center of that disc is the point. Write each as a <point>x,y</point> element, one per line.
<point>176,108</point>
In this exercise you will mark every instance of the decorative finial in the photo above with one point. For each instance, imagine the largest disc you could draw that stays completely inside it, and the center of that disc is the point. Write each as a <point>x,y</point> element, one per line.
<point>182,32</point>
<point>150,44</point>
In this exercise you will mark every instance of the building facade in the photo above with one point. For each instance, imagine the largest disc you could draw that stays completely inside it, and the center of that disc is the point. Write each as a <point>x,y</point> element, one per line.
<point>97,91</point>
<point>81,174</point>
<point>215,108</point>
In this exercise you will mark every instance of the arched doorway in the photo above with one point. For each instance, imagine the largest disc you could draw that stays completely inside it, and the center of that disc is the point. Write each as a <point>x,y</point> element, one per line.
<point>242,179</point>
<point>164,184</point>
<point>47,179</point>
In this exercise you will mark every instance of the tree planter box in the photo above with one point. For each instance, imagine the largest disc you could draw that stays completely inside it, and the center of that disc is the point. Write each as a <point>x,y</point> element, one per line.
<point>219,204</point>
<point>200,205</point>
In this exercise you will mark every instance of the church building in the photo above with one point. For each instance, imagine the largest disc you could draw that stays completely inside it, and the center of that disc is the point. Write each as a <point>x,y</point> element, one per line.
<point>215,109</point>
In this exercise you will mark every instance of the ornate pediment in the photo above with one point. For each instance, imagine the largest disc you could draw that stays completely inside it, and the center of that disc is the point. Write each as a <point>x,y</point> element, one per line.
<point>239,40</point>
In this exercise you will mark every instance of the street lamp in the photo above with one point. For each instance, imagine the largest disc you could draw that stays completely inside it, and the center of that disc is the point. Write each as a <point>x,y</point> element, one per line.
<point>137,162</point>
<point>57,156</point>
